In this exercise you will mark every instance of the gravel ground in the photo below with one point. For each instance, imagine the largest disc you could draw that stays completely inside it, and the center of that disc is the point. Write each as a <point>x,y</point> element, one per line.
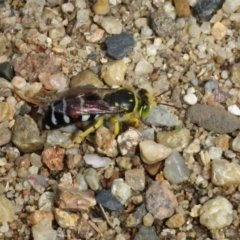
<point>174,176</point>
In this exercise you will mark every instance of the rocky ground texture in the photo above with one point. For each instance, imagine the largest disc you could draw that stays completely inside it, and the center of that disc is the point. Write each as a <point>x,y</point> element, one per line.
<point>176,176</point>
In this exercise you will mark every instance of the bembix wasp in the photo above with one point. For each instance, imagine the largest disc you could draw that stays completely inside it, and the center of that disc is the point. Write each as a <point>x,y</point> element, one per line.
<point>94,104</point>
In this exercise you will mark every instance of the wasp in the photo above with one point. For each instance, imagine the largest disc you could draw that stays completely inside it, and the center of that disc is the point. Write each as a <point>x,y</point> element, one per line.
<point>87,104</point>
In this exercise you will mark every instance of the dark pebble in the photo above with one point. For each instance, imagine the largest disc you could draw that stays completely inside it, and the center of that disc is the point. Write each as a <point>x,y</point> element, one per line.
<point>119,45</point>
<point>205,9</point>
<point>134,219</point>
<point>6,71</point>
<point>146,233</point>
<point>213,118</point>
<point>106,199</point>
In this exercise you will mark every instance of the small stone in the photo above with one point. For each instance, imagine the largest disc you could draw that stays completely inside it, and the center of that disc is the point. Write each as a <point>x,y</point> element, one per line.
<point>120,190</point>
<point>230,6</point>
<point>153,169</point>
<point>146,31</point>
<point>101,7</point>
<point>178,139</point>
<point>105,142</point>
<point>210,85</point>
<point>119,45</point>
<point>215,153</point>
<point>46,201</point>
<point>148,220</point>
<point>146,233</point>
<point>44,230</point>
<point>6,71</point>
<point>74,199</point>
<point>65,41</point>
<point>83,17</point>
<point>6,135</point>
<point>229,154</point>
<point>234,109</point>
<point>162,24</point>
<point>38,182</point>
<point>213,118</point>
<point>7,112</point>
<point>175,221</point>
<point>57,33</point>
<point>37,216</point>
<point>128,142</point>
<point>140,22</point>
<point>124,162</point>
<point>190,99</point>
<point>84,78</point>
<point>67,7</point>
<point>160,200</point>
<point>205,9</point>
<point>193,148</point>
<point>216,213</point>
<point>225,173</point>
<point>65,219</point>
<point>56,138</point>
<point>106,199</point>
<point>95,35</point>
<point>182,8</point>
<point>134,219</point>
<point>113,73</point>
<point>176,170</point>
<point>26,135</point>
<point>194,30</point>
<point>235,75</point>
<point>135,178</point>
<point>7,210</point>
<point>143,67</point>
<point>236,143</point>
<point>111,25</point>
<point>96,161</point>
<point>219,31</point>
<point>152,152</point>
<point>53,158</point>
<point>91,178</point>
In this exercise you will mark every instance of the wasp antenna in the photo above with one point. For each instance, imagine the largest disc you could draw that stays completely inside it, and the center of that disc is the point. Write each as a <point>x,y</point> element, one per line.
<point>169,105</point>
<point>163,93</point>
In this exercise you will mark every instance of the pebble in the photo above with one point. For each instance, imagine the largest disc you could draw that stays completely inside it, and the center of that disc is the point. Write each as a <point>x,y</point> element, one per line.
<point>236,143</point>
<point>148,133</point>
<point>205,9</point>
<point>151,50</point>
<point>46,201</point>
<point>53,158</point>
<point>235,74</point>
<point>57,33</point>
<point>162,24</point>
<point>38,182</point>
<point>7,112</point>
<point>94,36</point>
<point>56,138</point>
<point>106,199</point>
<point>160,200</point>
<point>83,17</point>
<point>120,190</point>
<point>219,31</point>
<point>225,173</point>
<point>26,135</point>
<point>153,169</point>
<point>74,199</point>
<point>6,71</point>
<point>160,116</point>
<point>37,216</point>
<point>190,99</point>
<point>113,72</point>
<point>124,162</point>
<point>101,7</point>
<point>7,209</point>
<point>229,154</point>
<point>193,148</point>
<point>148,220</point>
<point>194,30</point>
<point>213,118</point>
<point>210,85</point>
<point>80,180</point>
<point>105,142</point>
<point>67,7</point>
<point>119,45</point>
<point>175,169</point>
<point>140,22</point>
<point>143,67</point>
<point>111,25</point>
<point>215,152</point>
<point>84,78</point>
<point>5,84</point>
<point>92,179</point>
<point>134,219</point>
<point>234,109</point>
<point>216,213</point>
<point>44,230</point>
<point>230,6</point>
<point>145,232</point>
<point>6,135</point>
<point>128,142</point>
<point>65,219</point>
<point>152,152</point>
<point>175,221</point>
<point>96,161</point>
<point>135,178</point>
<point>182,8</point>
<point>177,139</point>
<point>146,31</point>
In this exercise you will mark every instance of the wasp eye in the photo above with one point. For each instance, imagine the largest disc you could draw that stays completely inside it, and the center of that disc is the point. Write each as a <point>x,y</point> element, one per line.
<point>144,111</point>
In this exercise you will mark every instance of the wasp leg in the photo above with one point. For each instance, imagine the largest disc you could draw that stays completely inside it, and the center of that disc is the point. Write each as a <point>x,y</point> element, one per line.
<point>134,121</point>
<point>79,138</point>
<point>114,121</point>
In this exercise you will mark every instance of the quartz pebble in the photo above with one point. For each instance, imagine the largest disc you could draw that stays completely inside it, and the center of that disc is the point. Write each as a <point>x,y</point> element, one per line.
<point>120,190</point>
<point>135,178</point>
<point>143,67</point>
<point>176,170</point>
<point>113,73</point>
<point>160,200</point>
<point>194,30</point>
<point>119,45</point>
<point>8,210</point>
<point>225,173</point>
<point>215,152</point>
<point>230,6</point>
<point>96,161</point>
<point>6,135</point>
<point>111,25</point>
<point>91,178</point>
<point>190,99</point>
<point>216,213</point>
<point>234,109</point>
<point>152,152</point>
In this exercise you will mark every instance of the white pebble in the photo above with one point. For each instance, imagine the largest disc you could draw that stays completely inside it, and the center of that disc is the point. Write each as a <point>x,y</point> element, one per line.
<point>151,50</point>
<point>146,31</point>
<point>194,31</point>
<point>112,25</point>
<point>143,67</point>
<point>96,161</point>
<point>215,152</point>
<point>225,74</point>
<point>230,6</point>
<point>67,7</point>
<point>120,190</point>
<point>234,109</point>
<point>190,99</point>
<point>191,90</point>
